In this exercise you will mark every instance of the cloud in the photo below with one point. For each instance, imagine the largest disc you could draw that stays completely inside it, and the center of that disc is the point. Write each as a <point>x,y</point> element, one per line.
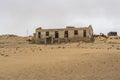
<point>16,16</point>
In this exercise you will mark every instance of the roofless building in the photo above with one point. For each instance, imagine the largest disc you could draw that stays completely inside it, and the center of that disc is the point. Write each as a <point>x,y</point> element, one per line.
<point>68,34</point>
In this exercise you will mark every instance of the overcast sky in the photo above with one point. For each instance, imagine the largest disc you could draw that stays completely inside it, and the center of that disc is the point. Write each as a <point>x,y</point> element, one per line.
<point>18,16</point>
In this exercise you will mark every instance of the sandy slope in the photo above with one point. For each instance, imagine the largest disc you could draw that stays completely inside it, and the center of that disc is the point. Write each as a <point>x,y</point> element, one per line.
<point>60,62</point>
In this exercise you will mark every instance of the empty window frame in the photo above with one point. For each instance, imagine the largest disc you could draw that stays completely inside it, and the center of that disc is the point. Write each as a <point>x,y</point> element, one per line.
<point>47,33</point>
<point>75,32</point>
<point>66,34</point>
<point>56,34</point>
<point>84,33</point>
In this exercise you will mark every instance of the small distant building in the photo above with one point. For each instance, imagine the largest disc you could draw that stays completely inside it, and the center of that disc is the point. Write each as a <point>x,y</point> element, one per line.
<point>112,34</point>
<point>68,34</point>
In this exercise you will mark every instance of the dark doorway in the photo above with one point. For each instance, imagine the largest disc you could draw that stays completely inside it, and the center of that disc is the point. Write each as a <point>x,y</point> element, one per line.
<point>56,34</point>
<point>84,33</point>
<point>66,34</point>
<point>48,40</point>
<point>39,34</point>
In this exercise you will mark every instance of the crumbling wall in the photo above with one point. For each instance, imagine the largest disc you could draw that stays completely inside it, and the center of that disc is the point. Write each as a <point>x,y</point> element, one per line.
<point>84,34</point>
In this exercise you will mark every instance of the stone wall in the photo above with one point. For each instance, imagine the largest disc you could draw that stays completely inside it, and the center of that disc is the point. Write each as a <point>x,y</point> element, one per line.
<point>82,34</point>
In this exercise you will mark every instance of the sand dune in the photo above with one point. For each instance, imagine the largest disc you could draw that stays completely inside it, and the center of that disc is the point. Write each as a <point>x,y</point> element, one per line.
<point>72,61</point>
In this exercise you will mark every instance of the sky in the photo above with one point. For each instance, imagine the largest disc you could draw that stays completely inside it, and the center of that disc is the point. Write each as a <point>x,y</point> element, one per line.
<point>22,17</point>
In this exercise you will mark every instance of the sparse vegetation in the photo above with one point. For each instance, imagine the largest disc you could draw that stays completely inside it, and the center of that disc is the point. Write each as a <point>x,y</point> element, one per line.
<point>118,48</point>
<point>58,61</point>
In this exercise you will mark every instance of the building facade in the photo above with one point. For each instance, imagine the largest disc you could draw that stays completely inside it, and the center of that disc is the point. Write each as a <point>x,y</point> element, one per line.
<point>68,34</point>
<point>112,34</point>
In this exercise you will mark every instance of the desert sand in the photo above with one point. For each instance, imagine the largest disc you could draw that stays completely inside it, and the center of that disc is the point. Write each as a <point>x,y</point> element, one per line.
<point>71,61</point>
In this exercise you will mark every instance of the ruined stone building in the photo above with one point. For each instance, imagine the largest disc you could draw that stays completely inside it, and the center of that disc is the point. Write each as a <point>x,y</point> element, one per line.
<point>68,34</point>
<point>112,34</point>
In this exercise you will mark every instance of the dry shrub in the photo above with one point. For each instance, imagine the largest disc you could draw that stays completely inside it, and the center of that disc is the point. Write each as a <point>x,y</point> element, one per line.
<point>40,49</point>
<point>2,54</point>
<point>6,55</point>
<point>63,47</point>
<point>118,48</point>
<point>59,46</point>
<point>16,48</point>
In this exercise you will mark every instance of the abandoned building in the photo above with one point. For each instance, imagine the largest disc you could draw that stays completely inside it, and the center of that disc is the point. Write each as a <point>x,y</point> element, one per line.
<point>112,34</point>
<point>68,34</point>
